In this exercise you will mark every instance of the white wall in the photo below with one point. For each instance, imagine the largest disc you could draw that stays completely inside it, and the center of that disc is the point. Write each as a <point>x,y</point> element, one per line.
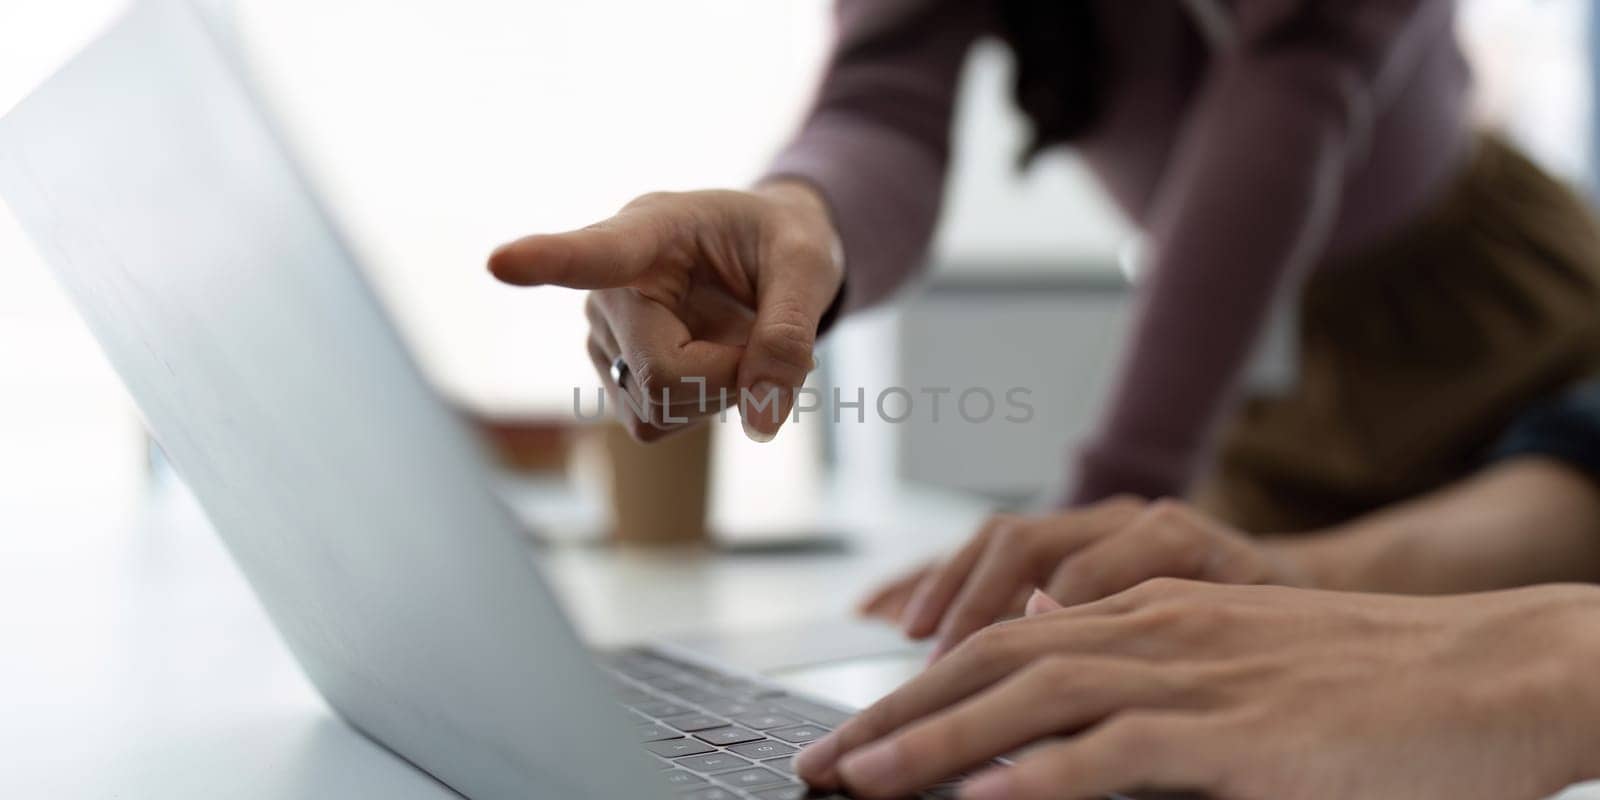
<point>441,128</point>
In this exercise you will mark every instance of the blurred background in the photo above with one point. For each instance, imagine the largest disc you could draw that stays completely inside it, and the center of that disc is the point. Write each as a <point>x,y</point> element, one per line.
<point>438,129</point>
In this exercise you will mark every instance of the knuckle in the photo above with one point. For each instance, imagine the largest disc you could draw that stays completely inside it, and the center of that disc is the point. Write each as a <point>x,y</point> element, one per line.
<point>647,374</point>
<point>1123,503</point>
<point>650,200</point>
<point>1184,545</point>
<point>1166,619</point>
<point>787,336</point>
<point>995,644</point>
<point>665,374</point>
<point>1140,737</point>
<point>1157,589</point>
<point>1187,621</point>
<point>1168,511</point>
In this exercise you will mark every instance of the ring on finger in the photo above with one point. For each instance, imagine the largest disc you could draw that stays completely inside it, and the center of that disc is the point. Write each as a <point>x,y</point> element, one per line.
<point>619,370</point>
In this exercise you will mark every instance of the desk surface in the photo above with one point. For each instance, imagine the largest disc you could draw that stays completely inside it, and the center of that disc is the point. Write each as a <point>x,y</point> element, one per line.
<point>138,664</point>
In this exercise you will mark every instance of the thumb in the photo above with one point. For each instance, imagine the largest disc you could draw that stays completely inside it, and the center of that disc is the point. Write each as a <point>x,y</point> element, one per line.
<point>607,255</point>
<point>791,298</point>
<point>1041,603</point>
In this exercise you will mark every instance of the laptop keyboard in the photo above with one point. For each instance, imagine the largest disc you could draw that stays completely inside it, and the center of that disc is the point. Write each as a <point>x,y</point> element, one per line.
<point>716,736</point>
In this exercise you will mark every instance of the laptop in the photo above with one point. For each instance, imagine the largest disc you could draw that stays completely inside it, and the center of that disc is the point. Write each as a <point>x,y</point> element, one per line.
<point>356,504</point>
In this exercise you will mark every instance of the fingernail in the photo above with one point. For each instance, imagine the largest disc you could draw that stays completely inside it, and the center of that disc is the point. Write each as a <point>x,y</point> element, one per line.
<point>756,436</point>
<point>1041,603</point>
<point>815,760</point>
<point>765,403</point>
<point>877,765</point>
<point>991,785</point>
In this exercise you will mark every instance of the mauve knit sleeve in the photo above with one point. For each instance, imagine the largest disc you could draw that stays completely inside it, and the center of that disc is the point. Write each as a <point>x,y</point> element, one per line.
<point>877,140</point>
<point>1246,207</point>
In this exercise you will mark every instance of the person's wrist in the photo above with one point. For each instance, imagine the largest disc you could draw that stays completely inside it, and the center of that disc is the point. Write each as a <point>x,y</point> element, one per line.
<point>1376,556</point>
<point>1306,562</point>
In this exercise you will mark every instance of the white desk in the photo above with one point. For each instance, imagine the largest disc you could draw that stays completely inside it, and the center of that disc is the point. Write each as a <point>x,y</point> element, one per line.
<point>137,664</point>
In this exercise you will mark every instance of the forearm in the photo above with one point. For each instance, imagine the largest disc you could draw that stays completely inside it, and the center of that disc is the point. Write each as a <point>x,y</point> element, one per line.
<point>1246,210</point>
<point>1524,522</point>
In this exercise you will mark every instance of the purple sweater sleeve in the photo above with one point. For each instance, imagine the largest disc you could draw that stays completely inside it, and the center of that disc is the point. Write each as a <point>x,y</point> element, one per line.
<point>877,141</point>
<point>1245,209</point>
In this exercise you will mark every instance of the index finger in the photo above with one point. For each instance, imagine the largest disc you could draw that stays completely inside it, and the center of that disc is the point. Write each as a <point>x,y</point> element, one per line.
<point>1058,695</point>
<point>606,255</point>
<point>978,663</point>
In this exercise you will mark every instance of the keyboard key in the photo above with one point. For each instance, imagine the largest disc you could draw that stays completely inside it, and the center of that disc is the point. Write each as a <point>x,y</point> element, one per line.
<point>651,732</point>
<point>712,762</point>
<point>766,748</point>
<point>796,791</point>
<point>661,708</point>
<point>678,779</point>
<point>712,793</point>
<point>763,722</point>
<point>799,734</point>
<point>752,778</point>
<point>784,765</point>
<point>735,735</point>
<point>672,748</point>
<point>690,723</point>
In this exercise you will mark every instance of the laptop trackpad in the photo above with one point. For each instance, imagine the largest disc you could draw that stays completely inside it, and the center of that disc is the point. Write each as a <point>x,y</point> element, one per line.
<point>849,662</point>
<point>854,682</point>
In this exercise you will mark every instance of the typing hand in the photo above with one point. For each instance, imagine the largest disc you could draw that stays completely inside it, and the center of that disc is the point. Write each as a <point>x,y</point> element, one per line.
<point>706,296</point>
<point>1246,692</point>
<point>1076,557</point>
